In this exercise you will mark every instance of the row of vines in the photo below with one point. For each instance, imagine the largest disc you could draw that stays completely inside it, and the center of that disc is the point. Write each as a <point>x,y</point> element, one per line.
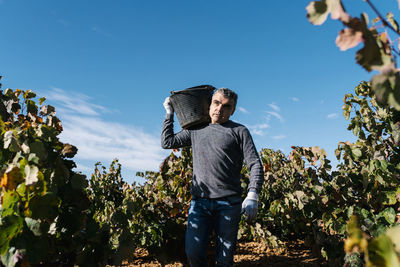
<point>50,214</point>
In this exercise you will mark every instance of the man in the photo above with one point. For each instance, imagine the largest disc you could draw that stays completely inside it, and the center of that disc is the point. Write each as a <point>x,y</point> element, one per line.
<point>219,150</point>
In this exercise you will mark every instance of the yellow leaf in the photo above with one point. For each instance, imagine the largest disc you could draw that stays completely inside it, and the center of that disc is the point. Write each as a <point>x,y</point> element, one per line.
<point>11,178</point>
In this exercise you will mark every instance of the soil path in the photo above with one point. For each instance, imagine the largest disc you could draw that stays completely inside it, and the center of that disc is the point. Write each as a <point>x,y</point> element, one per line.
<point>250,254</point>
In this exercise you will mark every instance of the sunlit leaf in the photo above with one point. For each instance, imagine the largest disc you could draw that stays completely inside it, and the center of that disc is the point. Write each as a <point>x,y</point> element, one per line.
<point>356,152</point>
<point>390,215</point>
<point>381,252</point>
<point>348,38</point>
<point>69,151</point>
<point>355,239</point>
<point>337,11</point>
<point>11,178</point>
<point>317,12</point>
<point>10,203</point>
<point>390,198</point>
<point>31,174</point>
<point>10,141</point>
<point>394,234</point>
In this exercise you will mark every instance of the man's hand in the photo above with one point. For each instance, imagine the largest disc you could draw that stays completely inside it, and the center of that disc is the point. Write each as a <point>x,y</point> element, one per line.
<point>168,106</point>
<point>250,206</point>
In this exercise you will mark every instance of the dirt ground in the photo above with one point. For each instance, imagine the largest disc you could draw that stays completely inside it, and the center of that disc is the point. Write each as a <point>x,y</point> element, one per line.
<point>250,254</point>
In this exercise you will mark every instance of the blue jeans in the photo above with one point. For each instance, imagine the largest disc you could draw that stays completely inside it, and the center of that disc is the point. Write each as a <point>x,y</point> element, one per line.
<point>221,215</point>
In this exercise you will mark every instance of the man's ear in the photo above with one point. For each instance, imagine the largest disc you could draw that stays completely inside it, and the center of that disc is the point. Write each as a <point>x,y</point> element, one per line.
<point>233,111</point>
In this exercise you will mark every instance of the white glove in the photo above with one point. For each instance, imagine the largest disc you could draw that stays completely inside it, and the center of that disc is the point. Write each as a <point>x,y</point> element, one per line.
<point>250,206</point>
<point>168,106</point>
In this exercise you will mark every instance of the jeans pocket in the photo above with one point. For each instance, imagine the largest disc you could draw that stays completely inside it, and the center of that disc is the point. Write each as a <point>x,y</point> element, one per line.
<point>234,200</point>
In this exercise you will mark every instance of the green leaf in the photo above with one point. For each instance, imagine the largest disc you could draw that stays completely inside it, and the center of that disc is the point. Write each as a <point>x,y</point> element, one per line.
<point>356,152</point>
<point>390,198</point>
<point>383,165</point>
<point>33,159</point>
<point>317,12</point>
<point>15,107</point>
<point>387,89</point>
<point>38,148</point>
<point>41,100</point>
<point>10,142</point>
<point>31,107</point>
<point>394,234</point>
<point>29,94</point>
<point>274,207</point>
<point>369,57</point>
<point>33,225</point>
<point>21,190</point>
<point>10,203</point>
<point>79,181</point>
<point>10,257</point>
<point>390,215</point>
<point>44,207</point>
<point>9,228</point>
<point>365,214</point>
<point>31,172</point>
<point>396,133</point>
<point>354,235</point>
<point>394,96</point>
<point>381,252</point>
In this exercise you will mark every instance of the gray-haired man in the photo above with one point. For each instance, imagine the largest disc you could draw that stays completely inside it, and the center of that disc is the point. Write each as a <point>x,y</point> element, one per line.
<point>219,150</point>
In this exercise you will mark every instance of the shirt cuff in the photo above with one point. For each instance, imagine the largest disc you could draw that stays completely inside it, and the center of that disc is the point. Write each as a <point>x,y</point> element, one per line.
<point>169,116</point>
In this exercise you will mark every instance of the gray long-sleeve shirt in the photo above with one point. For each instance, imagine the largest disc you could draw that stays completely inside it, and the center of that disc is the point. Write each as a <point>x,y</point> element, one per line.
<point>218,153</point>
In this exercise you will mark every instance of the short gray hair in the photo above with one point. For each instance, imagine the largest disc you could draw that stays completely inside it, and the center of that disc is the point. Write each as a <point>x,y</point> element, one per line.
<point>228,93</point>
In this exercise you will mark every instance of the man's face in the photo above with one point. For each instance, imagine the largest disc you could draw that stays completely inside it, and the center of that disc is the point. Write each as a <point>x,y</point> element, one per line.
<point>221,108</point>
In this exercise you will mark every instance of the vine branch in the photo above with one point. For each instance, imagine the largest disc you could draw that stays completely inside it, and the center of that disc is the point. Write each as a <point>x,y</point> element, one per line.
<point>384,21</point>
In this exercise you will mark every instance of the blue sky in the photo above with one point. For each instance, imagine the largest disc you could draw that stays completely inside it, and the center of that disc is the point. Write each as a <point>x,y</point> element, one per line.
<point>107,67</point>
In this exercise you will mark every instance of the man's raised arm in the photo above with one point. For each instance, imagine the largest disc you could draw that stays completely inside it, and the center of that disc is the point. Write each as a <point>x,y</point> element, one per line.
<point>168,138</point>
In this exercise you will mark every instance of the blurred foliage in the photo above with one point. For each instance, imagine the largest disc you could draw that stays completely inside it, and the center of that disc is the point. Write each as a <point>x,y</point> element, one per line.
<point>380,40</point>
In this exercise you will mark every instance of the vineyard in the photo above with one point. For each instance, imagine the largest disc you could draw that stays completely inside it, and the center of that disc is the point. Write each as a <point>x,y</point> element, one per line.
<point>52,215</point>
<point>347,214</point>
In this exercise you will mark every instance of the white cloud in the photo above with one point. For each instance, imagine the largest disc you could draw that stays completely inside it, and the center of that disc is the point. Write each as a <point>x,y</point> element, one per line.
<point>274,107</point>
<point>279,137</point>
<point>74,103</point>
<point>332,116</point>
<point>258,129</point>
<point>295,99</point>
<point>276,115</point>
<point>101,140</point>
<point>242,109</point>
